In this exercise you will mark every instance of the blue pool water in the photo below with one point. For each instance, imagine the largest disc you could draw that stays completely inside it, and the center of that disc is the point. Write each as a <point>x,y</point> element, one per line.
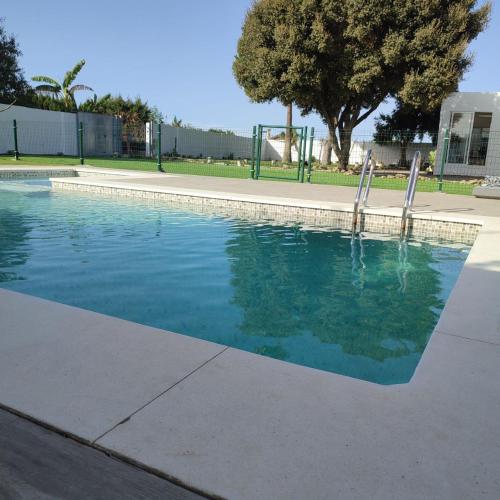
<point>362,308</point>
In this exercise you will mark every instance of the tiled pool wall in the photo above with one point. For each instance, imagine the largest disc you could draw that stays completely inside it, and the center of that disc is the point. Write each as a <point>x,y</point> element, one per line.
<point>59,172</point>
<point>38,173</point>
<point>459,232</point>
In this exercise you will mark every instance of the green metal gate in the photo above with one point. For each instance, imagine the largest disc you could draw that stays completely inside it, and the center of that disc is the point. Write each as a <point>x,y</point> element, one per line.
<point>290,171</point>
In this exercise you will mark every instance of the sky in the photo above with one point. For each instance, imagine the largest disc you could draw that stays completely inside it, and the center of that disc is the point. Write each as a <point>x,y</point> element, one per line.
<point>175,54</point>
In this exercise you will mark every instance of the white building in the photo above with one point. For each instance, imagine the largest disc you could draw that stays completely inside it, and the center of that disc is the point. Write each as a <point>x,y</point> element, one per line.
<point>472,122</point>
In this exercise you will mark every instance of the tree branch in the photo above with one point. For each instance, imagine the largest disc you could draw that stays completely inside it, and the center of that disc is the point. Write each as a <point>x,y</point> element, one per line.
<point>366,114</point>
<point>9,106</point>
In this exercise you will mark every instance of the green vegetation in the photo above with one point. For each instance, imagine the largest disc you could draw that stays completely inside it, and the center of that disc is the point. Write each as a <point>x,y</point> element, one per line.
<point>13,86</point>
<point>231,169</point>
<point>132,112</point>
<point>432,158</point>
<point>403,126</point>
<point>176,122</point>
<point>221,131</point>
<point>65,90</point>
<point>343,58</point>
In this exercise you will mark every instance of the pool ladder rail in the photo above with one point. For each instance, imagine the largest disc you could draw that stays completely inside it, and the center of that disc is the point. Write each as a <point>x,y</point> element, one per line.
<point>361,198</point>
<point>357,201</point>
<point>410,191</point>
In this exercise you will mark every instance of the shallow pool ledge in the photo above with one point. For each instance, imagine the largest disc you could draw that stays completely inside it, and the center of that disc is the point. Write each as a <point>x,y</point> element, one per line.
<point>239,425</point>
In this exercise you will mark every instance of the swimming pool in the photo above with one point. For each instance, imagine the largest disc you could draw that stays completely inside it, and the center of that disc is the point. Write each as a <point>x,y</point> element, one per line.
<point>364,308</point>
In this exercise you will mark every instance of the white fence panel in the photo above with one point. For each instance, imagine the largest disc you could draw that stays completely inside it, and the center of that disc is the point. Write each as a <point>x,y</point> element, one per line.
<point>43,132</point>
<point>272,149</point>
<point>196,143</point>
<point>39,131</point>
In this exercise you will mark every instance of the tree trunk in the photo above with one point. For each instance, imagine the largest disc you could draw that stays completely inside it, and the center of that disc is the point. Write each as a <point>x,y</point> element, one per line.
<point>287,152</point>
<point>342,146</point>
<point>403,162</point>
<point>326,152</point>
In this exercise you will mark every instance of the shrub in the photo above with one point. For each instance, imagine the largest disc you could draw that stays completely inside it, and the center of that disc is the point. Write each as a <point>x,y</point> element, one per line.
<point>432,158</point>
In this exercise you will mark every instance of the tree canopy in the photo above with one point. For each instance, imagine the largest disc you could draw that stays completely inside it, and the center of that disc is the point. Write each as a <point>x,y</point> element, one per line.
<point>131,111</point>
<point>404,125</point>
<point>342,58</point>
<point>13,86</point>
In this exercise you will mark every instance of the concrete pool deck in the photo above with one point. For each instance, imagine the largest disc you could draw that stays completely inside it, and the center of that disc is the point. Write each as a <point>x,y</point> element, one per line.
<point>238,425</point>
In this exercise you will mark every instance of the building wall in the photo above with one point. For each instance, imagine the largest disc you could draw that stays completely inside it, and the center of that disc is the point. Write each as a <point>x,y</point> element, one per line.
<point>486,102</point>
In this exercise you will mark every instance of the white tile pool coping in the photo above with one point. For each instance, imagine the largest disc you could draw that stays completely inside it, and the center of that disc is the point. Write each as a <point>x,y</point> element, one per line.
<point>238,425</point>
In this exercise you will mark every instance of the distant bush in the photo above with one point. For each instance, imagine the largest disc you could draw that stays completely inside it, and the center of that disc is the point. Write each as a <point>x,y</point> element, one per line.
<point>221,131</point>
<point>432,158</point>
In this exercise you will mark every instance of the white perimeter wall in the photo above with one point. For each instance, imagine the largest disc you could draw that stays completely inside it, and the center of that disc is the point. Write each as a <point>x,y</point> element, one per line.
<point>38,131</point>
<point>193,143</point>
<point>387,155</point>
<point>482,102</point>
<point>55,132</point>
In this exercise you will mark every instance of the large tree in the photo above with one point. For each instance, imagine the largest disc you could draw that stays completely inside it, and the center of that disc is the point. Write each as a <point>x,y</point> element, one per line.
<point>13,86</point>
<point>404,125</point>
<point>342,58</point>
<point>65,90</point>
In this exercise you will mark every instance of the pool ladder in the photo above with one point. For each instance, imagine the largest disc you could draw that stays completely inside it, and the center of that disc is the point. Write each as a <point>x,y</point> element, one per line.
<point>362,198</point>
<point>359,192</point>
<point>410,191</point>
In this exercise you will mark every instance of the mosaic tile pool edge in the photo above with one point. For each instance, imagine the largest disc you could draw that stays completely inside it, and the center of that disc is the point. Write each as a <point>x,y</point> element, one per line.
<point>459,232</point>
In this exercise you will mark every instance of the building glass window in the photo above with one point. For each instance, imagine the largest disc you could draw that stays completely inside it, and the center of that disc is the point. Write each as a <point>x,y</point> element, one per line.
<point>469,136</point>
<point>479,138</point>
<point>459,137</point>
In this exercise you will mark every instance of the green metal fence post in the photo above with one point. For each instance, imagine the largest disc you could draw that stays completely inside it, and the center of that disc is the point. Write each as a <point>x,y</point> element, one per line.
<point>254,141</point>
<point>303,160</point>
<point>80,143</point>
<point>259,151</point>
<point>299,159</point>
<point>309,158</point>
<point>446,143</point>
<point>158,148</point>
<point>16,149</point>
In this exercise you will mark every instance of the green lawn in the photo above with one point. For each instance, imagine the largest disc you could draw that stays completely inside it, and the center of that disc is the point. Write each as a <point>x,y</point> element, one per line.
<point>242,172</point>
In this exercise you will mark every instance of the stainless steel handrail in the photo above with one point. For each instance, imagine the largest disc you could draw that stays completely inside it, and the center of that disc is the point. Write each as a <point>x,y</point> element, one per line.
<point>360,189</point>
<point>410,190</point>
<point>368,183</point>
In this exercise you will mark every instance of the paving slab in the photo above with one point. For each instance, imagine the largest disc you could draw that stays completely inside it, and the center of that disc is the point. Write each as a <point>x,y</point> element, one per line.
<point>471,310</point>
<point>36,463</point>
<point>84,372</point>
<point>246,426</point>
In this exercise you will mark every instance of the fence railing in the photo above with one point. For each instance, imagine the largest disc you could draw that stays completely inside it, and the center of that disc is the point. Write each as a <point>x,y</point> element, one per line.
<point>217,152</point>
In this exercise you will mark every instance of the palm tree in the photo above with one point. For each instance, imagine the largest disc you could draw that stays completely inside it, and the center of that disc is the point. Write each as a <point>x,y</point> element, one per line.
<point>64,90</point>
<point>176,122</point>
